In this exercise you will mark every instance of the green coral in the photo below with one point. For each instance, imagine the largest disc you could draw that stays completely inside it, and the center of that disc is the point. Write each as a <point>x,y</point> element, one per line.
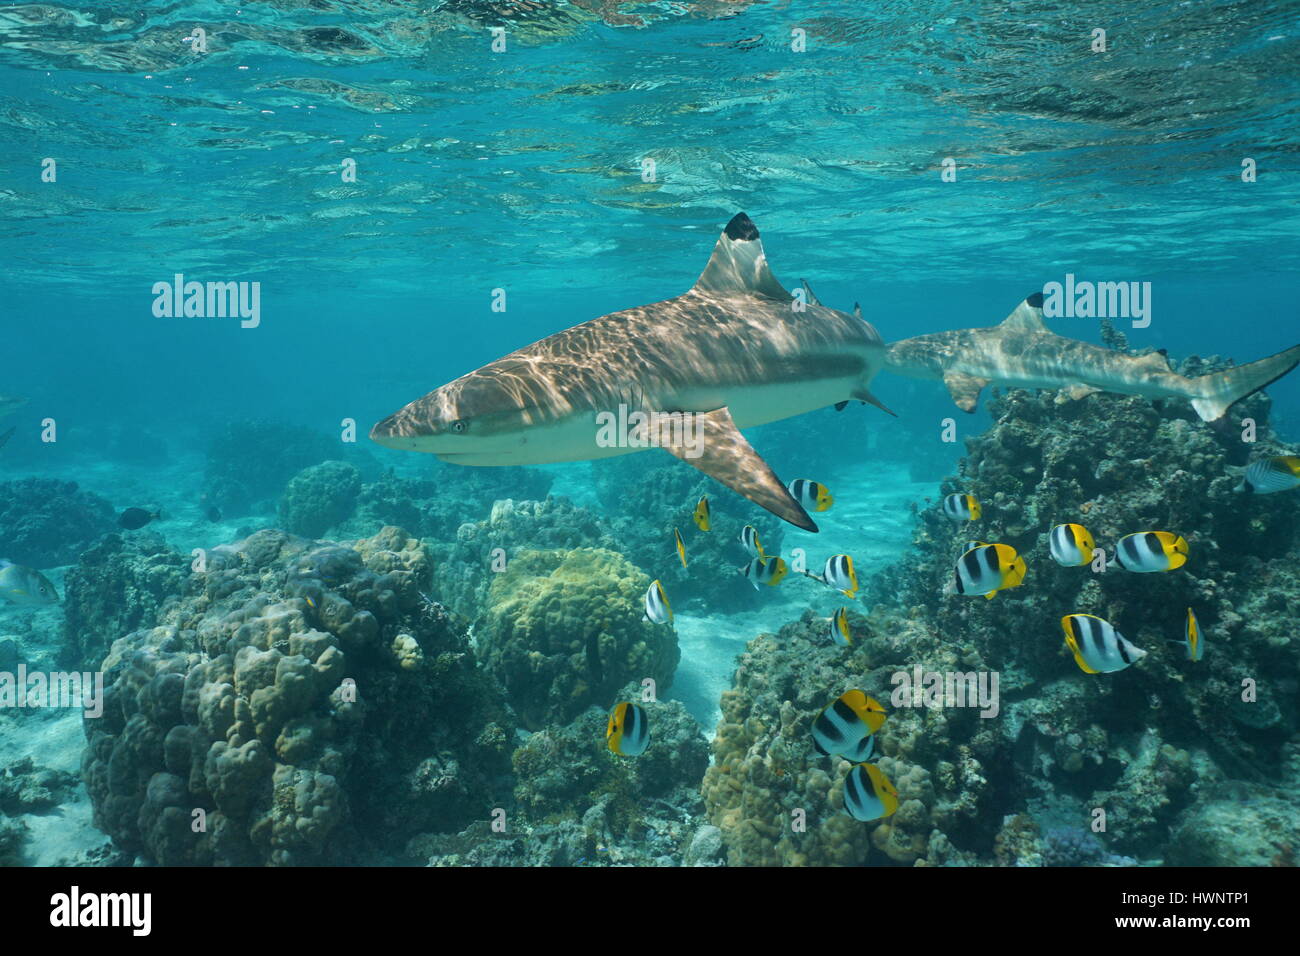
<point>566,629</point>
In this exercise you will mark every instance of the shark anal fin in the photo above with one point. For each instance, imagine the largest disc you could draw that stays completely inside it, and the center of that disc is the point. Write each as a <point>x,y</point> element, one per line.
<point>726,456</point>
<point>964,389</point>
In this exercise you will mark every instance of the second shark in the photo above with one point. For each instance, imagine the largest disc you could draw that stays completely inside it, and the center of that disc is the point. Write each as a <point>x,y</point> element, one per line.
<point>1021,352</point>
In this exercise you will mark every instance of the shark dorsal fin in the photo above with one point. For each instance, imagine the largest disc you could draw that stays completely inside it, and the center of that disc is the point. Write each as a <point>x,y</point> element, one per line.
<point>1027,316</point>
<point>738,265</point>
<point>1157,361</point>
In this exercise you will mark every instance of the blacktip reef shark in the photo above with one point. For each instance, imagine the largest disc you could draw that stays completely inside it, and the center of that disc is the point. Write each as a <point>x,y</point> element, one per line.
<point>1021,352</point>
<point>735,351</point>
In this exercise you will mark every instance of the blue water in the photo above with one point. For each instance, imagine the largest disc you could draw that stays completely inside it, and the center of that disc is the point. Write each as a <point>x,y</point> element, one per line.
<point>522,170</point>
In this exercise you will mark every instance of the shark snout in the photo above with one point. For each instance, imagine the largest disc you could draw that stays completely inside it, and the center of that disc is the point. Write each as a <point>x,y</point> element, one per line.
<point>404,431</point>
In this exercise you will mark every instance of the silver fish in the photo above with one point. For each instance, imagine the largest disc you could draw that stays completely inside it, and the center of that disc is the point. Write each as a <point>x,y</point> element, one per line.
<point>26,586</point>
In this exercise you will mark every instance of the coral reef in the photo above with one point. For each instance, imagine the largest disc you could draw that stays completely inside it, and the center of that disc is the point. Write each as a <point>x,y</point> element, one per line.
<point>320,497</point>
<point>27,788</point>
<point>303,702</point>
<point>117,586</point>
<point>1119,465</point>
<point>13,836</point>
<point>435,507</point>
<point>564,629</point>
<point>1242,823</point>
<point>1021,788</point>
<point>465,566</point>
<point>46,523</point>
<point>777,802</point>
<point>575,803</point>
<point>250,462</point>
<point>1070,846</point>
<point>646,497</point>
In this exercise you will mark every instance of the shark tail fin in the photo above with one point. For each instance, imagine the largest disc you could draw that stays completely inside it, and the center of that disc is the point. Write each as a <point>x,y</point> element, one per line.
<point>1218,391</point>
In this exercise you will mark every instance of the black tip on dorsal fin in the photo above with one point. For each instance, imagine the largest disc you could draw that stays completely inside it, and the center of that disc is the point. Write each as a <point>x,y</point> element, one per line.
<point>857,309</point>
<point>741,228</point>
<point>738,265</point>
<point>1034,300</point>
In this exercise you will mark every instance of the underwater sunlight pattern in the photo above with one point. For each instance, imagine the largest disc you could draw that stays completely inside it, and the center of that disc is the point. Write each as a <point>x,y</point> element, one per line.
<point>713,433</point>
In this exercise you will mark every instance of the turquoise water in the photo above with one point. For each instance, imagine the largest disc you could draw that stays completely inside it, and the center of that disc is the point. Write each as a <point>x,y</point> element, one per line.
<point>523,170</point>
<point>478,170</point>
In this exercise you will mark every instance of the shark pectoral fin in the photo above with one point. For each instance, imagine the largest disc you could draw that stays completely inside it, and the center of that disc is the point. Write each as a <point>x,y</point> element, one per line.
<point>964,389</point>
<point>1073,393</point>
<point>723,454</point>
<point>863,395</point>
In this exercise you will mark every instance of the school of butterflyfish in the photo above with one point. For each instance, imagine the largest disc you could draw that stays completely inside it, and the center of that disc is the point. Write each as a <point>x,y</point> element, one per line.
<point>846,727</point>
<point>983,569</point>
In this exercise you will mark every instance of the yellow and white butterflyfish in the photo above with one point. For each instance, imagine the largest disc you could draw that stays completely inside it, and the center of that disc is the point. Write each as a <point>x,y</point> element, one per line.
<point>681,546</point>
<point>844,728</point>
<point>701,515</point>
<point>1097,647</point>
<point>839,628</point>
<point>1279,473</point>
<point>761,571</point>
<point>868,794</point>
<point>987,570</point>
<point>962,507</point>
<point>657,608</point>
<point>1193,640</point>
<point>1071,545</point>
<point>1149,551</point>
<point>628,732</point>
<point>813,495</point>
<point>749,539</point>
<point>839,574</point>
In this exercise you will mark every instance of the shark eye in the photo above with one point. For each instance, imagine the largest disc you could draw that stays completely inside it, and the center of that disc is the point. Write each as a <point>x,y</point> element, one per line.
<point>459,426</point>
